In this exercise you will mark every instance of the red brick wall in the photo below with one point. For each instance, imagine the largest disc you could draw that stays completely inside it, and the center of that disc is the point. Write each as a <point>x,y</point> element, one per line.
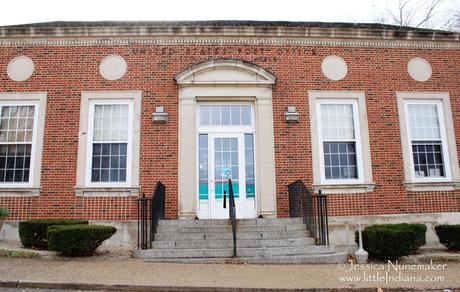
<point>65,71</point>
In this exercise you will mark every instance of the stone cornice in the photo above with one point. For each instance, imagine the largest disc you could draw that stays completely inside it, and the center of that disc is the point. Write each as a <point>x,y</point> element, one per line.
<point>156,34</point>
<point>228,41</point>
<point>261,30</point>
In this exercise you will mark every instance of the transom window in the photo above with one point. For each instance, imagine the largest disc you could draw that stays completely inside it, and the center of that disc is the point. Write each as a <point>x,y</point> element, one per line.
<point>109,149</point>
<point>16,138</point>
<point>225,115</point>
<point>339,140</point>
<point>426,140</point>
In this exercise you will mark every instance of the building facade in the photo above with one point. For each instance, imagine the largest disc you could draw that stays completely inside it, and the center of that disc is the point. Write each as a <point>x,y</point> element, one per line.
<point>95,114</point>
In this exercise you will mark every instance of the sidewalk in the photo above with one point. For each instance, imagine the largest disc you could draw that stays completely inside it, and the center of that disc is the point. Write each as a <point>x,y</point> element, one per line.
<point>133,274</point>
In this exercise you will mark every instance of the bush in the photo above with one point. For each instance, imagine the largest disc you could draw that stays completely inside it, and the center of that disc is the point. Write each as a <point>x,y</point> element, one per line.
<point>33,232</point>
<point>78,240</point>
<point>3,212</point>
<point>392,241</point>
<point>449,236</point>
<point>420,234</point>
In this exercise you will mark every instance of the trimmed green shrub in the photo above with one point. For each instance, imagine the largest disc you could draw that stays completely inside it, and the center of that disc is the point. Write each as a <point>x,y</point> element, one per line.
<point>33,232</point>
<point>392,241</point>
<point>3,212</point>
<point>78,240</point>
<point>449,236</point>
<point>420,234</point>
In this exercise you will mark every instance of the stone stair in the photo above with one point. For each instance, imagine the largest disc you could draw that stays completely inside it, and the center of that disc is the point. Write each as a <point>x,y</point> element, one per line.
<point>259,241</point>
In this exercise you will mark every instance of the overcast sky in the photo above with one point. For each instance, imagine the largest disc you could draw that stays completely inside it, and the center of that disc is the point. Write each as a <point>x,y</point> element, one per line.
<point>29,11</point>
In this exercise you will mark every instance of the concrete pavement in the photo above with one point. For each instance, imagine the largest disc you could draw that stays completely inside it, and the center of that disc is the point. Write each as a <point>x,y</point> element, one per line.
<point>133,274</point>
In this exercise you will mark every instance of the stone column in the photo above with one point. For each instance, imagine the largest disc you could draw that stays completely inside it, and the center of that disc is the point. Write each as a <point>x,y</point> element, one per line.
<point>187,158</point>
<point>265,153</point>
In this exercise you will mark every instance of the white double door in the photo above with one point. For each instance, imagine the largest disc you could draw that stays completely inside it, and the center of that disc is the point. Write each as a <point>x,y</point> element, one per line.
<point>230,155</point>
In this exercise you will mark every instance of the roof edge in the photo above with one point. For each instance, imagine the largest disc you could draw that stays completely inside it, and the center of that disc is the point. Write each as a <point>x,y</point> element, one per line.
<point>224,29</point>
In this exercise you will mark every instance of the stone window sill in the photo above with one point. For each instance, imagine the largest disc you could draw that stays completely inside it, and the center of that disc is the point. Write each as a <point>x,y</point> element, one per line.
<point>432,186</point>
<point>107,191</point>
<point>344,188</point>
<point>20,191</point>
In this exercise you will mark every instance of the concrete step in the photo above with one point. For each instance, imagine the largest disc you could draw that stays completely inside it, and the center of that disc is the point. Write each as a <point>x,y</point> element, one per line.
<point>228,228</point>
<point>219,222</point>
<point>260,241</point>
<point>222,253</point>
<point>219,244</point>
<point>228,235</point>
<point>333,258</point>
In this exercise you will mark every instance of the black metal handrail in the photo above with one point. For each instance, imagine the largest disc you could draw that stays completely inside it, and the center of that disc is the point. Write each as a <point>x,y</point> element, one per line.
<point>312,208</point>
<point>232,215</point>
<point>322,237</point>
<point>158,208</point>
<point>149,211</point>
<point>143,216</point>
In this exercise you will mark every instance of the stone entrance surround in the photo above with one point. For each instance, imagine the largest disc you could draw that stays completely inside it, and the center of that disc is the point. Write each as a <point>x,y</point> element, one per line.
<point>226,80</point>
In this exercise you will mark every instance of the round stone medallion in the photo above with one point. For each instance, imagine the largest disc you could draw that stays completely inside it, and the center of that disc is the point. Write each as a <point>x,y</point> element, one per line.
<point>419,69</point>
<point>334,68</point>
<point>20,68</point>
<point>113,67</point>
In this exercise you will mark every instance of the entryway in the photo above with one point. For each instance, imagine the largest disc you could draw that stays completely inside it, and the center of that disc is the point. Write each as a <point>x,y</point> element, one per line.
<point>226,151</point>
<point>236,99</point>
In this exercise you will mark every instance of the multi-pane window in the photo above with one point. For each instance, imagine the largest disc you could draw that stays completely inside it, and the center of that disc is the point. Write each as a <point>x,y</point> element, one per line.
<point>426,140</point>
<point>110,143</point>
<point>338,132</point>
<point>16,138</point>
<point>226,159</point>
<point>249,165</point>
<point>225,115</point>
<point>203,166</point>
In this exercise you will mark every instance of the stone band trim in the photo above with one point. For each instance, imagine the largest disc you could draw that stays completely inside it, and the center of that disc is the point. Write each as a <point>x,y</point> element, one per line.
<point>107,192</point>
<point>430,186</point>
<point>344,188</point>
<point>20,192</point>
<point>235,41</point>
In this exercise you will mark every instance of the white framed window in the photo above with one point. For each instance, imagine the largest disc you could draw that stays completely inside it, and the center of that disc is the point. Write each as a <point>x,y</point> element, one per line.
<point>17,126</point>
<point>109,150</point>
<point>429,150</point>
<point>427,137</point>
<point>22,118</point>
<point>340,142</point>
<point>110,143</point>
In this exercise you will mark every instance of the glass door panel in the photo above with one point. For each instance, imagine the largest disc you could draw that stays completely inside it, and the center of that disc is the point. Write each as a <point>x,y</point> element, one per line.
<point>226,165</point>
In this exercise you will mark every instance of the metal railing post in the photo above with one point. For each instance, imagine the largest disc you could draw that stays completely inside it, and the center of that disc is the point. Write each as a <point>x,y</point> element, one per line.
<point>232,215</point>
<point>142,222</point>
<point>149,211</point>
<point>312,208</point>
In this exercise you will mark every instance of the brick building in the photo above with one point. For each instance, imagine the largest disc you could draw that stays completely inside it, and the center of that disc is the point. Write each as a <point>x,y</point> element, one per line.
<point>95,114</point>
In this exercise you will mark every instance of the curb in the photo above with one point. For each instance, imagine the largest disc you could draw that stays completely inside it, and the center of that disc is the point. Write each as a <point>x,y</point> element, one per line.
<point>104,287</point>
